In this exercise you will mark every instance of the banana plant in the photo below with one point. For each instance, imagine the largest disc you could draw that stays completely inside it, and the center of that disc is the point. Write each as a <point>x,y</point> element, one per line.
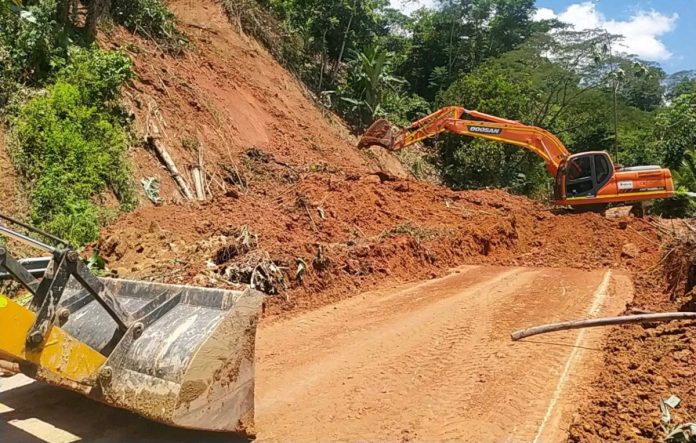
<point>369,80</point>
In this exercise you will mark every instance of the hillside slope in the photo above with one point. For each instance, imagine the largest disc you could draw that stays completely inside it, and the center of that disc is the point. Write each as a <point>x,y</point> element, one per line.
<point>226,95</point>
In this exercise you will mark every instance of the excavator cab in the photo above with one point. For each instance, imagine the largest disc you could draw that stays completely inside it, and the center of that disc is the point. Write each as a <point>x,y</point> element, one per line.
<point>591,181</point>
<point>583,175</point>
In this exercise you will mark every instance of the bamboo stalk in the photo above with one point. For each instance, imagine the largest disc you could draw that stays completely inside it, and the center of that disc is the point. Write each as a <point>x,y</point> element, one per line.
<point>164,156</point>
<point>197,174</point>
<point>605,321</point>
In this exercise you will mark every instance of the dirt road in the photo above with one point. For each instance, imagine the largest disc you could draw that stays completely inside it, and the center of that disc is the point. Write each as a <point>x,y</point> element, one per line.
<point>429,361</point>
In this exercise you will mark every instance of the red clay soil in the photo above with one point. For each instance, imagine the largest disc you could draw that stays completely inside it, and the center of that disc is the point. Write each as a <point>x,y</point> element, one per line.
<point>371,234</point>
<point>12,201</point>
<point>643,364</point>
<point>226,95</point>
<point>290,173</point>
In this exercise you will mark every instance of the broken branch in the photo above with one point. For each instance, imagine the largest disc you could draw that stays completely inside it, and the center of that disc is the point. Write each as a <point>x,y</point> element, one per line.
<point>606,321</point>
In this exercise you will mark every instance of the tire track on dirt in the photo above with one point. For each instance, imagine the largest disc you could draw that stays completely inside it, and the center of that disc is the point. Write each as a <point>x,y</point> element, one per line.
<point>429,362</point>
<point>402,337</point>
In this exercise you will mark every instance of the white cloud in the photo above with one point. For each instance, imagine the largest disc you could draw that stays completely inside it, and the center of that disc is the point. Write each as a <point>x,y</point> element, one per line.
<point>544,14</point>
<point>641,32</point>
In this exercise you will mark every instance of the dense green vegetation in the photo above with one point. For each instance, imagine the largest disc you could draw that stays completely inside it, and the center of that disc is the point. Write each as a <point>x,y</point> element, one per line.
<point>60,94</point>
<point>70,143</point>
<point>366,60</point>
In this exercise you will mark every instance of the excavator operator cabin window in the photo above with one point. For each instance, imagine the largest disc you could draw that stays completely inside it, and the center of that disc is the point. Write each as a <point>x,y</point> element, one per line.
<point>602,168</point>
<point>580,168</point>
<point>579,180</point>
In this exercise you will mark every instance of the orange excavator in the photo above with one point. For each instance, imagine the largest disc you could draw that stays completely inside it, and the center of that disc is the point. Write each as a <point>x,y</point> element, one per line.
<point>587,180</point>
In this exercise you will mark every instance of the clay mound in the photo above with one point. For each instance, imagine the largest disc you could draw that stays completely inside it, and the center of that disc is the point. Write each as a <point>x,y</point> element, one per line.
<point>331,235</point>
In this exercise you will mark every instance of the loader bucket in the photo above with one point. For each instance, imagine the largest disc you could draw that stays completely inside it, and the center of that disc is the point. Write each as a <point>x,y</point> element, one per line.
<point>380,133</point>
<point>187,362</point>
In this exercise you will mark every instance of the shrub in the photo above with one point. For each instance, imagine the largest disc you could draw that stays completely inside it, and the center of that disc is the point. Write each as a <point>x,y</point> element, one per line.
<point>680,206</point>
<point>150,18</point>
<point>98,74</point>
<point>36,43</point>
<point>71,145</point>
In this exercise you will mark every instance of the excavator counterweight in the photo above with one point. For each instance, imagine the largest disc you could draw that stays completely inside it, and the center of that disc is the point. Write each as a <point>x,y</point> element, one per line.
<point>585,179</point>
<point>180,355</point>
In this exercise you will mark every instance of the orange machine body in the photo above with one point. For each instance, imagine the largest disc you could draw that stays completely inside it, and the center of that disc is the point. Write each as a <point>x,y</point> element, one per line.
<point>586,178</point>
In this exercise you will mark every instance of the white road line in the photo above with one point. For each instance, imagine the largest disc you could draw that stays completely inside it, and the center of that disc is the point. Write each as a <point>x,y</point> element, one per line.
<point>597,301</point>
<point>44,431</point>
<point>14,382</point>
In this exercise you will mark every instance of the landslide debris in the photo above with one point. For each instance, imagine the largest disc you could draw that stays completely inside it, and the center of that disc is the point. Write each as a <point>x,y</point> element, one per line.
<point>352,233</point>
<point>328,222</point>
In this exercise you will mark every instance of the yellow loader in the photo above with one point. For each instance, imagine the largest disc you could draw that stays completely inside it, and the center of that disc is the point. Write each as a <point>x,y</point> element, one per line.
<point>179,355</point>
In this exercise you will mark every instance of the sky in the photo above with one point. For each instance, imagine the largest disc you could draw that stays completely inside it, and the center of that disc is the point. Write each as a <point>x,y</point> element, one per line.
<point>662,31</point>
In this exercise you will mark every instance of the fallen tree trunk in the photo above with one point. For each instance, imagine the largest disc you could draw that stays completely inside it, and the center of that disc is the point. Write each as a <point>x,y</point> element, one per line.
<point>606,321</point>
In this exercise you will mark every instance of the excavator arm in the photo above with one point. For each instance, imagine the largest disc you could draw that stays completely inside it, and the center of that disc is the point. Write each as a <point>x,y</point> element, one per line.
<point>582,179</point>
<point>477,124</point>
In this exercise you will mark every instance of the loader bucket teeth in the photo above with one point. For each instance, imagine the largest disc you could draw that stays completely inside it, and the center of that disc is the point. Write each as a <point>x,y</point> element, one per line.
<point>380,133</point>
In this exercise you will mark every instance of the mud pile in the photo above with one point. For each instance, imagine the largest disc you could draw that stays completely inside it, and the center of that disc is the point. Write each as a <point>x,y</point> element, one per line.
<point>331,235</point>
<point>322,219</point>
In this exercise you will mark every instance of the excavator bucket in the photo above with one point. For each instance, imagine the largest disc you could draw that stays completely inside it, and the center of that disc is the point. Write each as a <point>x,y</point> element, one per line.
<point>180,355</point>
<point>380,133</point>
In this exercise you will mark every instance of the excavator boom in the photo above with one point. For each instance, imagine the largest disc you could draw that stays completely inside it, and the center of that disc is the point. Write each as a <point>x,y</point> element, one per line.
<point>480,125</point>
<point>581,179</point>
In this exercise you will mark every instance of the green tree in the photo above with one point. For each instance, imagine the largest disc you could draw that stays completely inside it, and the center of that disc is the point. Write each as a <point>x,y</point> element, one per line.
<point>471,163</point>
<point>459,36</point>
<point>641,84</point>
<point>331,29</point>
<point>675,129</point>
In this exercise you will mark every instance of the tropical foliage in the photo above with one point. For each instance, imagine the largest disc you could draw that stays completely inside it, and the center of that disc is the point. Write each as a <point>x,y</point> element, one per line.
<point>68,135</point>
